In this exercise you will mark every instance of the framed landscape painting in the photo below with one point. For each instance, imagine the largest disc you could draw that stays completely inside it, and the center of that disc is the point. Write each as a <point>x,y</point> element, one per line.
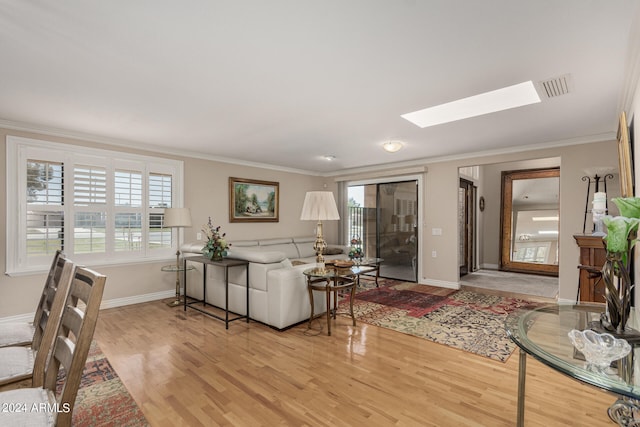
<point>253,201</point>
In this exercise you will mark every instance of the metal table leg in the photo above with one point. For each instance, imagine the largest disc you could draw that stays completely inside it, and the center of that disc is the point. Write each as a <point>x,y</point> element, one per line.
<point>522,373</point>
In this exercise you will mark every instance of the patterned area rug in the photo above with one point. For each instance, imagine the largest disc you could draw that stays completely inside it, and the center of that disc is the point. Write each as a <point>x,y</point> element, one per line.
<point>102,398</point>
<point>465,320</point>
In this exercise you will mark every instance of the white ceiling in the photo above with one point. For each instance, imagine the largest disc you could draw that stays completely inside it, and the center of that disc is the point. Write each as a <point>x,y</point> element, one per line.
<point>285,82</point>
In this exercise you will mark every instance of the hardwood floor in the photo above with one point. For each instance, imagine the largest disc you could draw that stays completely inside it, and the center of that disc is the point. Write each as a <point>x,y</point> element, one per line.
<point>185,369</point>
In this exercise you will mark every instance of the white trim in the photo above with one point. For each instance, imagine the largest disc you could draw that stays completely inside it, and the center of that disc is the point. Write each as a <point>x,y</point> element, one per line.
<point>113,303</point>
<point>137,299</point>
<point>488,266</point>
<point>19,149</point>
<point>20,318</point>
<point>439,283</point>
<point>85,137</point>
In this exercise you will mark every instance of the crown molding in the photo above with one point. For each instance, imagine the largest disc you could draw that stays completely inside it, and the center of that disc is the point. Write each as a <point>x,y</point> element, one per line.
<point>378,168</point>
<point>87,137</point>
<point>424,162</point>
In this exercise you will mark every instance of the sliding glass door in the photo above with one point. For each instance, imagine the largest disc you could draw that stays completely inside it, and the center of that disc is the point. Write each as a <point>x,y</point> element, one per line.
<point>384,216</point>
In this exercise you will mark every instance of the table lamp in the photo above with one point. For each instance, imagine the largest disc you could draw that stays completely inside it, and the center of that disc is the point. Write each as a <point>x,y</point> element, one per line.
<point>177,218</point>
<point>319,206</point>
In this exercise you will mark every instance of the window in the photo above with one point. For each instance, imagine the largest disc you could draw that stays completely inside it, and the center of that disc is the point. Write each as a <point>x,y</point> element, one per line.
<point>98,206</point>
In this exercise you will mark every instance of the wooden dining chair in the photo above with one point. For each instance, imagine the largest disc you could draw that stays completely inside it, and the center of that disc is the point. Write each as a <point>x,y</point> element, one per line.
<point>19,363</point>
<point>67,359</point>
<point>23,333</point>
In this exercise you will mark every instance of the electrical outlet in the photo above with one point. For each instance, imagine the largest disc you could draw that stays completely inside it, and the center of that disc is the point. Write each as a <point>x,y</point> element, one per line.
<point>199,236</point>
<point>434,254</point>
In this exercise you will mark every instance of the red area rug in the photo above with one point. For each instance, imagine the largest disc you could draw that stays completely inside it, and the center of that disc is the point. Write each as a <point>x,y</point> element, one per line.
<point>102,398</point>
<point>466,320</point>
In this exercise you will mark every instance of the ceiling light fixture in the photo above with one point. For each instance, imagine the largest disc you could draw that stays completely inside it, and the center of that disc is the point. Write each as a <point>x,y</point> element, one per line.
<point>329,158</point>
<point>392,146</point>
<point>477,105</point>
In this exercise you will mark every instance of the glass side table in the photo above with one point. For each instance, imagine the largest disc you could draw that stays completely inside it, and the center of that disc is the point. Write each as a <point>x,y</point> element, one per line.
<point>176,269</point>
<point>542,333</point>
<point>330,280</point>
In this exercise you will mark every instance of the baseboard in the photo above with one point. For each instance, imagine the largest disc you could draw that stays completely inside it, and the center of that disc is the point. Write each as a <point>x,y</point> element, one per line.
<point>112,303</point>
<point>137,299</point>
<point>440,283</point>
<point>490,266</point>
<point>19,318</point>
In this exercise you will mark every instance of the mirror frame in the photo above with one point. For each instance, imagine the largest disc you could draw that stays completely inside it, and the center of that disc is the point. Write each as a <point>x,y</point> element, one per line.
<point>505,223</point>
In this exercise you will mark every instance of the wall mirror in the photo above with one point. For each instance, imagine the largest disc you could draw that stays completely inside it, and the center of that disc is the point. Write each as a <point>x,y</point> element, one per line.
<point>529,221</point>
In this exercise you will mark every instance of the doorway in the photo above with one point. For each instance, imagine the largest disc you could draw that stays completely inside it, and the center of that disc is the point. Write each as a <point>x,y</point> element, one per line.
<point>385,218</point>
<point>467,226</point>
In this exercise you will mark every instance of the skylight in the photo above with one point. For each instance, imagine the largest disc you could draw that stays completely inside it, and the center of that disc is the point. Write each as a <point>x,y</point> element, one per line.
<point>477,105</point>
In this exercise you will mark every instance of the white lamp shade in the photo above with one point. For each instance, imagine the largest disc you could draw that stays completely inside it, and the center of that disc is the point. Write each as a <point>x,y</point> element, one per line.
<point>177,217</point>
<point>319,205</point>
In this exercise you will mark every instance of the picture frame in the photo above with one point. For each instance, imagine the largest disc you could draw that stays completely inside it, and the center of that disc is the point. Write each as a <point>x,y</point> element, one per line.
<point>252,200</point>
<point>624,158</point>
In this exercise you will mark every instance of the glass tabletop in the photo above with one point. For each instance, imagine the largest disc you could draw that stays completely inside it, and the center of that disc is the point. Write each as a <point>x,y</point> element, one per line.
<point>331,271</point>
<point>543,333</point>
<point>174,268</point>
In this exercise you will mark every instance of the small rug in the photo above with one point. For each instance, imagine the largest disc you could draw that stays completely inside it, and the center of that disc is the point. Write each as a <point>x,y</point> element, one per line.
<point>465,320</point>
<point>102,398</point>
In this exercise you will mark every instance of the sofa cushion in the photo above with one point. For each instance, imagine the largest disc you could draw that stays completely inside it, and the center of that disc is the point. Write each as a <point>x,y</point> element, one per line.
<point>306,249</point>
<point>281,241</point>
<point>244,243</point>
<point>260,257</point>
<point>282,245</point>
<point>332,251</point>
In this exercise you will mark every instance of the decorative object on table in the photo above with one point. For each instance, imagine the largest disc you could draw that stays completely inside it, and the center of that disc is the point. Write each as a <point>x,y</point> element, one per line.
<point>177,218</point>
<point>343,263</point>
<point>216,246</point>
<point>599,174</point>
<point>355,252</point>
<point>251,200</point>
<point>319,206</point>
<point>622,232</point>
<point>599,349</point>
<point>598,212</point>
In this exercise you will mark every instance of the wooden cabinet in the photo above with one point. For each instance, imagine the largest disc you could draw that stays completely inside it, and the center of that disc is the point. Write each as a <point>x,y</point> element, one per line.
<point>592,257</point>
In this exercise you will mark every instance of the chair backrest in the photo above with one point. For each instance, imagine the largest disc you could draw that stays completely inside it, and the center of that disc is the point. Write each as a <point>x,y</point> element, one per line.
<point>52,309</point>
<point>53,270</point>
<point>73,338</point>
<point>58,280</point>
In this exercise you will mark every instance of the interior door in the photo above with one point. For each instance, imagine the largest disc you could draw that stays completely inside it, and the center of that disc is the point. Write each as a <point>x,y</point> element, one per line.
<point>466,226</point>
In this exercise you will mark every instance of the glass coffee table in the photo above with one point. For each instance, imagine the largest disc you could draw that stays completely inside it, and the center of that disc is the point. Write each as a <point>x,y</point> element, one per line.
<point>543,333</point>
<point>367,262</point>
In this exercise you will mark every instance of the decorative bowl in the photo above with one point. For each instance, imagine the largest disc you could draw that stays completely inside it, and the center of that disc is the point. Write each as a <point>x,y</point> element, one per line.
<point>599,349</point>
<point>343,264</point>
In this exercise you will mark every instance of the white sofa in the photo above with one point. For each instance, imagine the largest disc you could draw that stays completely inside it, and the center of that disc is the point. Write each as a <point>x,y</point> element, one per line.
<point>278,293</point>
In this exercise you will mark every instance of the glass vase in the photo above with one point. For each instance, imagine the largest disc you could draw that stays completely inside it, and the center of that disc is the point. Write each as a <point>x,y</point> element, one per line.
<point>618,293</point>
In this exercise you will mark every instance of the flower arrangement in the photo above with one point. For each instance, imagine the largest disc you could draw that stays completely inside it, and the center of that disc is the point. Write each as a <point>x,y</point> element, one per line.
<point>216,246</point>
<point>622,235</point>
